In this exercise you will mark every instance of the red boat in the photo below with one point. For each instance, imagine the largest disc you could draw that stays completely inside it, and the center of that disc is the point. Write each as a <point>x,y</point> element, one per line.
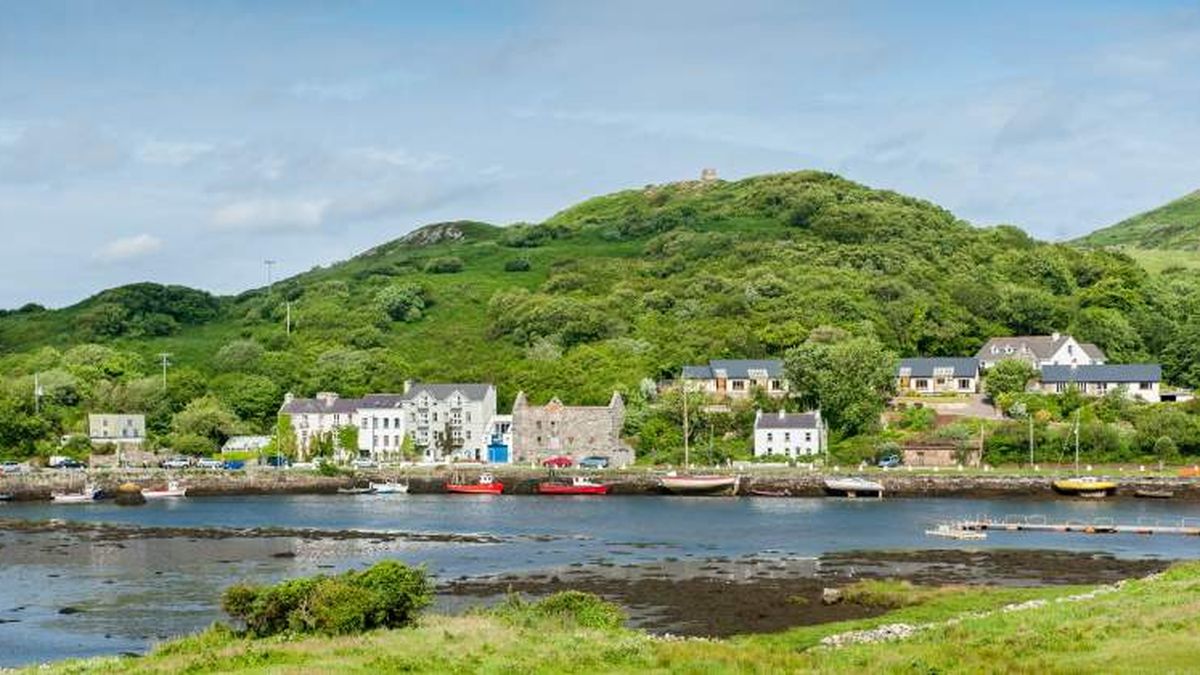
<point>487,485</point>
<point>577,486</point>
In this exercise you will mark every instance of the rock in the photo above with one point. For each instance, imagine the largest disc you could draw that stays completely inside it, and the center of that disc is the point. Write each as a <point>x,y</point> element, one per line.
<point>831,596</point>
<point>129,494</point>
<point>67,611</point>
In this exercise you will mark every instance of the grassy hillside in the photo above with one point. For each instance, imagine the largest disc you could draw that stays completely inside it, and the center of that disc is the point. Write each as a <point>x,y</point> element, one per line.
<point>1174,226</point>
<point>1144,626</point>
<point>601,296</point>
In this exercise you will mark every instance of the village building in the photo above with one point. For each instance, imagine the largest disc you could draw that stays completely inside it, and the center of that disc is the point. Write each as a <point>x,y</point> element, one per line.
<point>937,375</point>
<point>317,417</point>
<point>449,420</point>
<point>1055,349</point>
<point>125,431</point>
<point>249,444</point>
<point>1139,381</point>
<point>539,432</point>
<point>737,378</point>
<point>791,435</point>
<point>940,454</point>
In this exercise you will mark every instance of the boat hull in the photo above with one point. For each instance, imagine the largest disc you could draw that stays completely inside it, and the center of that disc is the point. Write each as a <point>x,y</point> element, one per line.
<point>1078,488</point>
<point>72,499</point>
<point>700,485</point>
<point>164,494</point>
<point>491,489</point>
<point>389,489</point>
<point>853,488</point>
<point>560,489</point>
<point>1154,494</point>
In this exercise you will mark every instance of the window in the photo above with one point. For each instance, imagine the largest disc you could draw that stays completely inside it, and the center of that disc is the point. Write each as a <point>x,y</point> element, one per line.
<point>1101,387</point>
<point>539,426</point>
<point>770,437</point>
<point>808,437</point>
<point>920,384</point>
<point>385,423</point>
<point>787,436</point>
<point>1060,387</point>
<point>1145,385</point>
<point>964,383</point>
<point>468,416</point>
<point>738,385</point>
<point>776,385</point>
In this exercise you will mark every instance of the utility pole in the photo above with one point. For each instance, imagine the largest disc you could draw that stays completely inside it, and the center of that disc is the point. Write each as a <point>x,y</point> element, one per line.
<point>37,395</point>
<point>686,458</point>
<point>289,317</point>
<point>165,358</point>
<point>270,278</point>
<point>1031,439</point>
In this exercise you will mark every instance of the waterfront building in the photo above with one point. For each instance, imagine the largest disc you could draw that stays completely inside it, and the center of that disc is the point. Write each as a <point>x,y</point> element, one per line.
<point>791,435</point>
<point>542,431</point>
<point>737,378</point>
<point>937,375</point>
<point>1136,380</point>
<point>1055,349</point>
<point>125,431</point>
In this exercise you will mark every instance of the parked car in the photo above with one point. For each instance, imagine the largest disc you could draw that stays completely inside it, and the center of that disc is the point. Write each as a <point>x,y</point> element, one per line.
<point>365,463</point>
<point>890,462</point>
<point>13,467</point>
<point>558,462</point>
<point>209,463</point>
<point>176,463</point>
<point>594,462</point>
<point>305,466</point>
<point>68,463</point>
<point>233,465</point>
<point>276,461</point>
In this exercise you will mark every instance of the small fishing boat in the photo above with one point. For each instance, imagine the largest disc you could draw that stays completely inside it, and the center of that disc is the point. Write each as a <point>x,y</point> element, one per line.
<point>954,531</point>
<point>172,491</point>
<point>853,486</point>
<point>356,490</point>
<point>89,494</point>
<point>770,493</point>
<point>5,497</point>
<point>1084,486</point>
<point>389,488</point>
<point>578,486</point>
<point>701,485</point>
<point>486,485</point>
<point>1145,493</point>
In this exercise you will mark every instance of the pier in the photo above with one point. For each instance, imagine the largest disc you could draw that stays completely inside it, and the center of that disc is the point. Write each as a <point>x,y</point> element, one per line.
<point>1170,526</point>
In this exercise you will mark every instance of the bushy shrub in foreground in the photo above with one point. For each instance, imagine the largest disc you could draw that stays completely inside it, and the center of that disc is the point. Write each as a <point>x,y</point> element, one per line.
<point>388,595</point>
<point>586,610</point>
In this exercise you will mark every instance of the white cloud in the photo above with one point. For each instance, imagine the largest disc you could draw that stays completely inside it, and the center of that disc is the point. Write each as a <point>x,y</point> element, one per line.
<point>128,248</point>
<point>169,153</point>
<point>271,214</point>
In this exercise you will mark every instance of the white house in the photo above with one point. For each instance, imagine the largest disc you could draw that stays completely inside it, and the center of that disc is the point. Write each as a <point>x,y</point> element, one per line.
<point>737,378</point>
<point>381,428</point>
<point>463,411</point>
<point>791,435</point>
<point>1055,349</point>
<point>937,375</point>
<point>1139,380</point>
<point>312,417</point>
<point>126,431</point>
<point>246,444</point>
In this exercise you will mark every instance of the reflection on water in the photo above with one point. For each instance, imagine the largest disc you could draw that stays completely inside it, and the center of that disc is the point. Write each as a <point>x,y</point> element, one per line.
<point>131,592</point>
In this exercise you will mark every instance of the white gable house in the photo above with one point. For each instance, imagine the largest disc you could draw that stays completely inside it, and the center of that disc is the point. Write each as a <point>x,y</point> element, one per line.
<point>1055,349</point>
<point>791,435</point>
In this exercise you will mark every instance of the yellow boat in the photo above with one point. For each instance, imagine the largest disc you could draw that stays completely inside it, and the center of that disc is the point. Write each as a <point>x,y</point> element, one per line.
<point>1086,485</point>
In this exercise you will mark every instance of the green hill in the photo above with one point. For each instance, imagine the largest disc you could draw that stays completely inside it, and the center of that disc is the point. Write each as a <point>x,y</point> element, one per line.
<point>601,296</point>
<point>1173,226</point>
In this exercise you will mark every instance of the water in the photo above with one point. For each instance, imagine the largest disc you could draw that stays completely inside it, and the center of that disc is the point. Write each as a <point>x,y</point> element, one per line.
<point>133,592</point>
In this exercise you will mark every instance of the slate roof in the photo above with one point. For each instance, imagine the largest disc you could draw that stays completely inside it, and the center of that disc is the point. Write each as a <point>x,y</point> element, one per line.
<point>473,392</point>
<point>1039,346</point>
<point>773,420</point>
<point>1132,372</point>
<point>381,401</point>
<point>923,367</point>
<point>318,406</point>
<point>736,369</point>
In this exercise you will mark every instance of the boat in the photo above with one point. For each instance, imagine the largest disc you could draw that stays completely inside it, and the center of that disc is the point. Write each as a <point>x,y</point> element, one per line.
<point>486,485</point>
<point>389,488</point>
<point>578,486</point>
<point>1145,493</point>
<point>87,495</point>
<point>955,531</point>
<point>853,486</point>
<point>700,485</point>
<point>1083,486</point>
<point>770,493</point>
<point>356,490</point>
<point>173,490</point>
<point>5,497</point>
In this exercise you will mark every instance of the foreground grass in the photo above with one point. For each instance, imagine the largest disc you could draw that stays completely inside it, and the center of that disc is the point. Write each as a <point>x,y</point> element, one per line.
<point>1146,626</point>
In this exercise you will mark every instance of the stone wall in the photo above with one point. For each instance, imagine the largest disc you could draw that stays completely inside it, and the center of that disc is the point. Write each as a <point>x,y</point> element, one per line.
<point>543,431</point>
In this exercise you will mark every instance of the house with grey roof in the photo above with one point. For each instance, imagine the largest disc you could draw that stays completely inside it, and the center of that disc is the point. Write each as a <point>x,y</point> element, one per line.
<point>1055,349</point>
<point>1137,380</point>
<point>791,435</point>
<point>737,378</point>
<point>318,417</point>
<point>937,375</point>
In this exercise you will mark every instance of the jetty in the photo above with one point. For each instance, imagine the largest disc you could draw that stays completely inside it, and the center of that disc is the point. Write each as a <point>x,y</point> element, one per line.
<point>1101,525</point>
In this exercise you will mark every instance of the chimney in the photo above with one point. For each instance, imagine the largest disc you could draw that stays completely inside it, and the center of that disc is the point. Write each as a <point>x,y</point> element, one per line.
<point>782,414</point>
<point>326,397</point>
<point>1055,336</point>
<point>407,385</point>
<point>288,398</point>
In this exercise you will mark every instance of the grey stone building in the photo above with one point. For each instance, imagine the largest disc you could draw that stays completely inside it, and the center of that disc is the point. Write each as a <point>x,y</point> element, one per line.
<point>552,429</point>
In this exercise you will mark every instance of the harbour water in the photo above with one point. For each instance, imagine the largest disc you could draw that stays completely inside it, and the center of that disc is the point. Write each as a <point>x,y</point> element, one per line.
<point>61,596</point>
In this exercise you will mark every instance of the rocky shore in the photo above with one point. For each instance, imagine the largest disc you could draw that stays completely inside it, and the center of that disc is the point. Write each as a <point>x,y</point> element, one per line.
<point>523,481</point>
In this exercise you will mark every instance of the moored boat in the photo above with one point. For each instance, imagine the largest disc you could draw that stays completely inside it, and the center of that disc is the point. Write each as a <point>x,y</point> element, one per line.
<point>955,531</point>
<point>853,486</point>
<point>389,488</point>
<point>486,485</point>
<point>577,486</point>
<point>701,485</point>
<point>89,494</point>
<point>1084,486</point>
<point>5,497</point>
<point>356,490</point>
<point>1145,493</point>
<point>173,490</point>
<point>758,492</point>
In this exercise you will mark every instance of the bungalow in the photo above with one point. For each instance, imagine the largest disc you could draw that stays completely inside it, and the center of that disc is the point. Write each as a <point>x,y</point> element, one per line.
<point>937,375</point>
<point>791,435</point>
<point>736,378</point>
<point>123,431</point>
<point>1054,349</point>
<point>1139,380</point>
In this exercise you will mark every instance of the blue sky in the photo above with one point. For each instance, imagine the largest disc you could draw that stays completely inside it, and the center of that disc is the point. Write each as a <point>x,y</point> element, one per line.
<point>187,142</point>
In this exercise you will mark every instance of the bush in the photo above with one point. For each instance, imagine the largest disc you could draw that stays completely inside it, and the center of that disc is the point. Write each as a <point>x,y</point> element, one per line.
<point>388,595</point>
<point>585,610</point>
<point>517,265</point>
<point>447,265</point>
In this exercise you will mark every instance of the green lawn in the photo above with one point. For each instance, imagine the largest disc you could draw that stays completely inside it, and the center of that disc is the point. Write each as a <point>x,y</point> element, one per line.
<point>1146,626</point>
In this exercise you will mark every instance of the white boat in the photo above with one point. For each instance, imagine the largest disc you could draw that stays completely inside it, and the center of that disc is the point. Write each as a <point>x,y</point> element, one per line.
<point>955,532</point>
<point>173,489</point>
<point>389,488</point>
<point>701,485</point>
<point>853,486</point>
<point>89,494</point>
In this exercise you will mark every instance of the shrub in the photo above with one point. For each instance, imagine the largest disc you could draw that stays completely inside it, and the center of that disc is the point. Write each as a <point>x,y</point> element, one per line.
<point>388,595</point>
<point>585,610</point>
<point>447,265</point>
<point>517,265</point>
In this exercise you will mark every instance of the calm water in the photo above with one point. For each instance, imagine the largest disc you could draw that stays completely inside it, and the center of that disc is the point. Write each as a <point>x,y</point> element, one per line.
<point>134,592</point>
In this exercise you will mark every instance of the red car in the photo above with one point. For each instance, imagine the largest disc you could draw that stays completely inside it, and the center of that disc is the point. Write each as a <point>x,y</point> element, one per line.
<point>558,462</point>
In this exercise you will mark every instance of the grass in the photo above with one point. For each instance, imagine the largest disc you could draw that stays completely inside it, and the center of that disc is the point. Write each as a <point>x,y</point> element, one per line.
<point>1146,626</point>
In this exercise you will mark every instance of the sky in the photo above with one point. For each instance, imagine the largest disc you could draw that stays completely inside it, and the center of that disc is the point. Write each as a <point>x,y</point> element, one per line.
<point>187,142</point>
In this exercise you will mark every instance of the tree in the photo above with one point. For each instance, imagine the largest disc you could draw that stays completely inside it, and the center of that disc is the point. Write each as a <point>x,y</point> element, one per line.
<point>850,381</point>
<point>403,302</point>
<point>1009,376</point>
<point>347,438</point>
<point>253,398</point>
<point>206,416</point>
<point>238,356</point>
<point>447,444</point>
<point>408,449</point>
<point>285,437</point>
<point>1165,450</point>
